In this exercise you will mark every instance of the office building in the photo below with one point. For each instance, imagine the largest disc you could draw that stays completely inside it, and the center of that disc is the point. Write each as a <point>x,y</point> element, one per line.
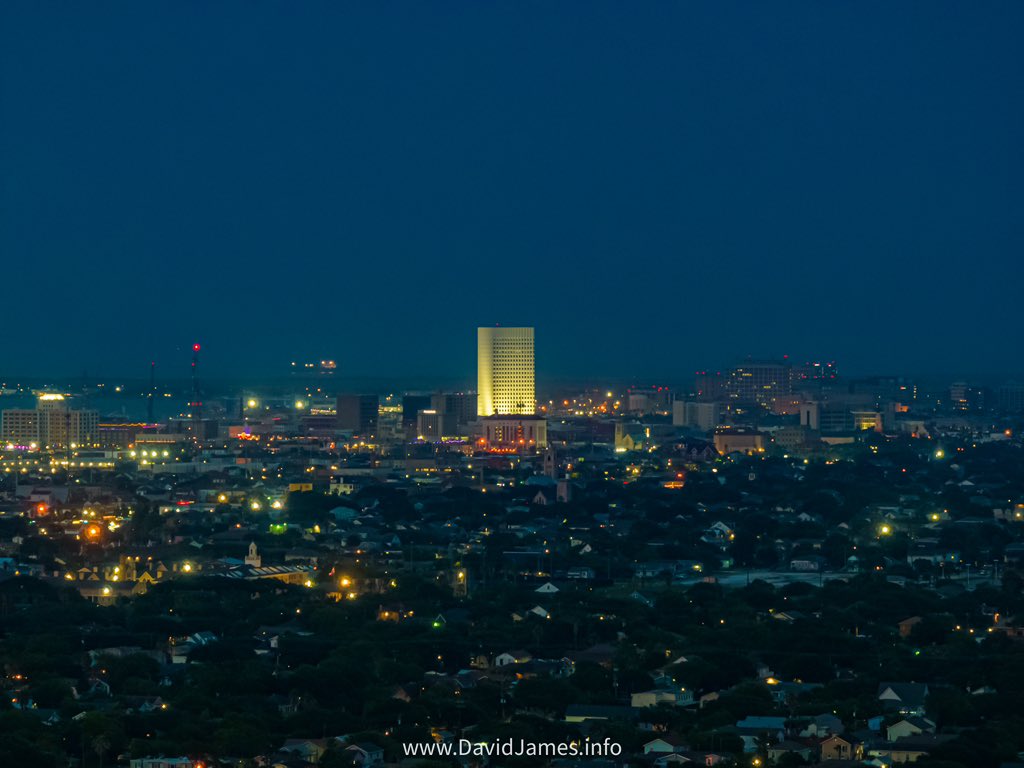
<point>759,382</point>
<point>505,372</point>
<point>649,400</point>
<point>709,385</point>
<point>358,413</point>
<point>702,416</point>
<point>1010,397</point>
<point>430,425</point>
<point>412,404</point>
<point>460,407</point>
<point>738,440</point>
<point>51,423</point>
<point>513,434</point>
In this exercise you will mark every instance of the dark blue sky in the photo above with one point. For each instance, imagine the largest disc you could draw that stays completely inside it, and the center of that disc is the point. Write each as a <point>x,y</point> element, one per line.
<point>654,186</point>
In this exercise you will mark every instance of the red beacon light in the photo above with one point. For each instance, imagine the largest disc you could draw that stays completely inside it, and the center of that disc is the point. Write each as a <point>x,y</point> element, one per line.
<point>196,347</point>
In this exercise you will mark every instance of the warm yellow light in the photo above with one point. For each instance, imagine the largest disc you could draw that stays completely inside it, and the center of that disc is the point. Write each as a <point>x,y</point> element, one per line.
<point>255,506</point>
<point>187,567</point>
<point>346,581</point>
<point>885,530</point>
<point>252,403</point>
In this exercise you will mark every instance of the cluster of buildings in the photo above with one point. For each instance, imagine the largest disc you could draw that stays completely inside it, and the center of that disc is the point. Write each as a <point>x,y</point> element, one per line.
<point>515,541</point>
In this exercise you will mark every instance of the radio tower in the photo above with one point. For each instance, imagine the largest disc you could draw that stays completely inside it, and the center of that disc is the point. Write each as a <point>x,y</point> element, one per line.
<point>196,404</point>
<point>152,390</point>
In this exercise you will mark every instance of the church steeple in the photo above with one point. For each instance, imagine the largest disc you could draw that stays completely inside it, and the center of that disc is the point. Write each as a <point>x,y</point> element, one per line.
<point>253,558</point>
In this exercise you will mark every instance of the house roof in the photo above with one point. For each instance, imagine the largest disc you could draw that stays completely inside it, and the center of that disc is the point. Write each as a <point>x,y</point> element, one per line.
<point>906,693</point>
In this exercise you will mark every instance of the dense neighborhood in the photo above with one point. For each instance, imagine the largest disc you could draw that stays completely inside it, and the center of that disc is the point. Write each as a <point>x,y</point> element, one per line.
<point>303,604</point>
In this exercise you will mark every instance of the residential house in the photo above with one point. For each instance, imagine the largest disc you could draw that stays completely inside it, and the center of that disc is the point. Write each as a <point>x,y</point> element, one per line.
<point>663,745</point>
<point>310,750</point>
<point>909,726</point>
<point>512,657</point>
<point>906,627</point>
<point>822,725</point>
<point>677,697</point>
<point>838,748</point>
<point>366,754</point>
<point>778,750</point>
<point>580,713</point>
<point>751,729</point>
<point>910,749</point>
<point>904,698</point>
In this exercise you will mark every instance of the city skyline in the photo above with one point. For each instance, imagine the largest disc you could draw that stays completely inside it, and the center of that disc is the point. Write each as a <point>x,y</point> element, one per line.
<point>512,385</point>
<point>177,369</point>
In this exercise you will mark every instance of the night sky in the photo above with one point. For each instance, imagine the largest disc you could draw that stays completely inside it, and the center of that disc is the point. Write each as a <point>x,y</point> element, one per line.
<point>655,186</point>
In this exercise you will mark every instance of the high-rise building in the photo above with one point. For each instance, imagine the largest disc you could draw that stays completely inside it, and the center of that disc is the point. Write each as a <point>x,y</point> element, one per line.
<point>412,404</point>
<point>964,397</point>
<point>505,372</point>
<point>358,413</point>
<point>759,382</point>
<point>430,425</point>
<point>709,385</point>
<point>52,423</point>
<point>703,416</point>
<point>1010,397</point>
<point>459,409</point>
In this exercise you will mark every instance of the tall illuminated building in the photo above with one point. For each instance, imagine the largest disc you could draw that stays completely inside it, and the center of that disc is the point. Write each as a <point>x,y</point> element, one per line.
<point>505,373</point>
<point>51,423</point>
<point>759,381</point>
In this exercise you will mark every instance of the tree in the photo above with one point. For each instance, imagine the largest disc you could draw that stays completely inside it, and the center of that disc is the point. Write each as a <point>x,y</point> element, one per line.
<point>101,745</point>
